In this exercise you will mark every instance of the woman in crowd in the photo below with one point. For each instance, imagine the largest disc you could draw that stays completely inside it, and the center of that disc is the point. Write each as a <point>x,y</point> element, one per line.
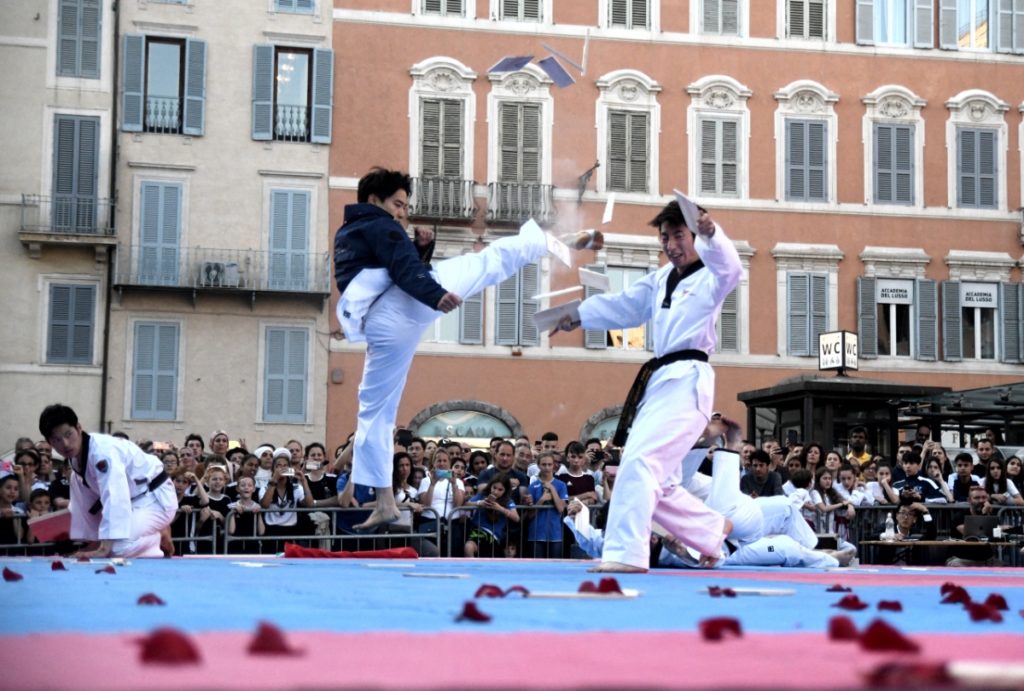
<point>285,492</point>
<point>811,456</point>
<point>933,469</point>
<point>494,509</point>
<point>1001,490</point>
<point>405,494</point>
<point>834,512</point>
<point>932,449</point>
<point>833,461</point>
<point>881,487</point>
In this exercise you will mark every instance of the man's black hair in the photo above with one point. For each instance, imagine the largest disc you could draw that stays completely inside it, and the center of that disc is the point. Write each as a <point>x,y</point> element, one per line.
<point>760,456</point>
<point>859,428</point>
<point>549,436</point>
<point>801,478</point>
<point>53,416</point>
<point>574,447</point>
<point>202,444</point>
<point>672,214</point>
<point>382,183</point>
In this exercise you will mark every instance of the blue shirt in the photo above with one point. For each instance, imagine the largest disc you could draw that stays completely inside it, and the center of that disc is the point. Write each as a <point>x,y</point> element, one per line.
<point>546,525</point>
<point>482,518</point>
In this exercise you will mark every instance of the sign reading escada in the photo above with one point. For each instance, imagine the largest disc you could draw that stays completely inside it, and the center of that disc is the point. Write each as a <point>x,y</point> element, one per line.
<point>837,350</point>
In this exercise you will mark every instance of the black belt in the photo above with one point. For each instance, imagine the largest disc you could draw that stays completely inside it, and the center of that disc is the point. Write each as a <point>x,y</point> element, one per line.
<point>153,484</point>
<point>636,392</point>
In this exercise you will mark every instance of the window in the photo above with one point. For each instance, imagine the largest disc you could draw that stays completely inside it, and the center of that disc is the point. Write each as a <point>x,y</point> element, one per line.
<point>159,233</point>
<point>982,25</point>
<point>720,17</point>
<point>628,14</point>
<point>289,240</point>
<point>285,374</point>
<point>447,8</point>
<point>522,10</point>
<point>71,324</point>
<point>897,308</point>
<point>164,85</point>
<point>464,325</point>
<point>292,94</point>
<point>75,173</point>
<point>894,164</point>
<point>516,307</point>
<point>807,308</point>
<point>519,135</point>
<point>805,18</point>
<point>628,138</point>
<point>896,22</point>
<point>727,328</point>
<point>969,320</point>
<point>806,162</point>
<point>976,168</point>
<point>636,338</point>
<point>719,162</point>
<point>78,38</point>
<point>296,6</point>
<point>155,371</point>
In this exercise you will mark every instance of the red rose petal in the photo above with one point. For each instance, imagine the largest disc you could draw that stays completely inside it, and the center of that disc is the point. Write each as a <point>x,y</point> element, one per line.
<point>269,640</point>
<point>489,590</point>
<point>716,628</point>
<point>11,575</point>
<point>842,628</point>
<point>57,565</point>
<point>997,601</point>
<point>609,585</point>
<point>714,591</point>
<point>587,587</point>
<point>150,599</point>
<point>109,568</point>
<point>880,636</point>
<point>82,560</point>
<point>982,612</point>
<point>517,589</point>
<point>851,602</point>
<point>896,675</point>
<point>948,587</point>
<point>168,646</point>
<point>890,606</point>
<point>956,596</point>
<point>470,612</point>
<point>839,588</point>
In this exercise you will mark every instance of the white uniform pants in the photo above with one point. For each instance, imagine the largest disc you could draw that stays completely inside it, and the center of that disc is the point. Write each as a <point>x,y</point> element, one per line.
<point>394,327</point>
<point>668,422</point>
<point>151,513</point>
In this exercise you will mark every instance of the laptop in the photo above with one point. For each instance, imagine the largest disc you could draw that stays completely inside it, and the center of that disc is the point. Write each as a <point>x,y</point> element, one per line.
<point>980,527</point>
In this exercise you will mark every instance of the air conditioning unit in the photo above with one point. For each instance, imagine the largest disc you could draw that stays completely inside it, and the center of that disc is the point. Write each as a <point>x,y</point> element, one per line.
<point>219,275</point>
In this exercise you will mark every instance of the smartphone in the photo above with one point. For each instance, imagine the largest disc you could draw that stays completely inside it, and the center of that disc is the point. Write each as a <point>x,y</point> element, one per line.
<point>312,465</point>
<point>288,472</point>
<point>441,474</point>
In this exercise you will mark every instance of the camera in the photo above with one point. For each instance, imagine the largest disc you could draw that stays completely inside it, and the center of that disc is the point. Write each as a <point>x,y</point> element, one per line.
<point>312,465</point>
<point>442,474</point>
<point>288,472</point>
<point>598,455</point>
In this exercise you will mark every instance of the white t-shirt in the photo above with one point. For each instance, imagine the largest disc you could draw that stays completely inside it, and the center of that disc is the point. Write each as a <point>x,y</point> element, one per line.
<point>283,518</point>
<point>443,499</point>
<point>402,496</point>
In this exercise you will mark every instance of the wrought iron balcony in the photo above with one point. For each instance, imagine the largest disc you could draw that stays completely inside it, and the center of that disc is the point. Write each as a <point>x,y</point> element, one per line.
<point>449,199</point>
<point>208,269</point>
<point>66,215</point>
<point>517,202</point>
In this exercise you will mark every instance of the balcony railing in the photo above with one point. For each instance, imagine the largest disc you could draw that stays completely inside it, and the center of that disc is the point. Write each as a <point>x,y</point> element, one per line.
<point>291,124</point>
<point>204,268</point>
<point>66,214</point>
<point>442,199</point>
<point>163,115</point>
<point>517,202</point>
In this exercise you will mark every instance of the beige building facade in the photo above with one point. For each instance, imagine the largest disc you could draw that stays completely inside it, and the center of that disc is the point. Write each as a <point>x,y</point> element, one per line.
<point>864,157</point>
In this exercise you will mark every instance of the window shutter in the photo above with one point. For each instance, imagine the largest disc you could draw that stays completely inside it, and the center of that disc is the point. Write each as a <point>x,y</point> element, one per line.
<point>617,151</point>
<point>78,38</point>
<point>531,9</point>
<point>819,310</point>
<point>903,155</point>
<point>638,14</point>
<point>638,152</point>
<point>430,138</point>
<point>894,164</point>
<point>159,233</point>
<point>304,5</point>
<point>967,191</point>
<point>797,19</point>
<point>89,39</point>
<point>883,163</point>
<point>797,307</point>
<point>155,371</point>
<point>507,317</point>
<point>133,83</point>
<point>275,377</point>
<point>70,328</point>
<point>924,23</point>
<point>454,7</point>
<point>510,9</point>
<point>795,159</point>
<point>529,277</point>
<point>289,239</point>
<point>867,317</point>
<point>728,323</point>
<point>730,157</point>
<point>816,18</point>
<point>594,338</point>
<point>865,22</point>
<point>531,152</point>
<point>987,169</point>
<point>948,29</point>
<point>284,392</point>
<point>1010,315</point>
<point>952,331</point>
<point>451,140</point>
<point>509,137</point>
<point>75,173</point>
<point>322,96</point>
<point>432,6</point>
<point>976,168</point>
<point>708,155</point>
<point>712,16</point>
<point>1008,15</point>
<point>816,169</point>
<point>471,320</point>
<point>263,92</point>
<point>619,12</point>
<point>730,17</point>
<point>195,88</point>
<point>1017,45</point>
<point>68,37</point>
<point>926,306</point>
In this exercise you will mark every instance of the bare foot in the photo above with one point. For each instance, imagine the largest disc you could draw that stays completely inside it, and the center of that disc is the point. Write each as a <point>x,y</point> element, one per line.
<point>381,516</point>
<point>166,545</point>
<point>843,556</point>
<point>616,567</point>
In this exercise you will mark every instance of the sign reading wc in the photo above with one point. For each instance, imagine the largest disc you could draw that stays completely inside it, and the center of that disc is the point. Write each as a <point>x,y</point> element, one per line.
<point>837,350</point>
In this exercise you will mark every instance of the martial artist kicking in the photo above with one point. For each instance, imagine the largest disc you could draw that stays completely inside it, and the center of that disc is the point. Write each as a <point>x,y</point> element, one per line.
<point>389,296</point>
<point>120,495</point>
<point>673,393</point>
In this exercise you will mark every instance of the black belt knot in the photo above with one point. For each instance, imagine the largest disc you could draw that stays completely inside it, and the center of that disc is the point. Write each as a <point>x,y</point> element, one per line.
<point>636,392</point>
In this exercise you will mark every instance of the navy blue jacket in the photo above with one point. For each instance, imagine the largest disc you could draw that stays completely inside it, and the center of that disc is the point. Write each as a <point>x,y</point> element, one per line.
<point>369,238</point>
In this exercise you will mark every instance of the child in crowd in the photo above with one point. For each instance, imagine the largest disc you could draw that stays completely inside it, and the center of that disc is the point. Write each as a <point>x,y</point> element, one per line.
<point>798,491</point>
<point>834,512</point>
<point>211,518</point>
<point>933,470</point>
<point>11,512</point>
<point>189,506</point>
<point>852,489</point>
<point>579,483</point>
<point>39,504</point>
<point>549,495</point>
<point>494,509</point>
<point>881,489</point>
<point>246,521</point>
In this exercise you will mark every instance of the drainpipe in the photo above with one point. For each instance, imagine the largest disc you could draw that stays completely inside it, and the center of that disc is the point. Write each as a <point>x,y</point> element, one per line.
<point>105,368</point>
